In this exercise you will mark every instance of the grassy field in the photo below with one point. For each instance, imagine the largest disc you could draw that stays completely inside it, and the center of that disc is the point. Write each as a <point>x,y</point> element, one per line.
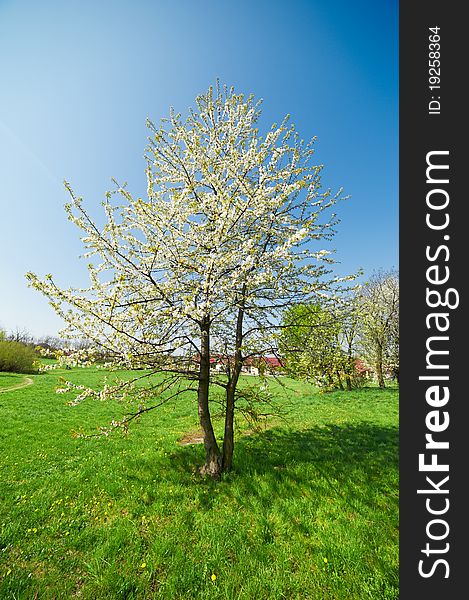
<point>9,380</point>
<point>310,511</point>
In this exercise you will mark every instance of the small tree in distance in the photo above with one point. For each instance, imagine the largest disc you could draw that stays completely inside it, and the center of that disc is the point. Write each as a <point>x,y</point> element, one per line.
<point>379,323</point>
<point>227,238</point>
<point>319,343</point>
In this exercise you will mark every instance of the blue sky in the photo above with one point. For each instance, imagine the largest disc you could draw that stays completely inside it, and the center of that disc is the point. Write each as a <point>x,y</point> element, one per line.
<point>78,80</point>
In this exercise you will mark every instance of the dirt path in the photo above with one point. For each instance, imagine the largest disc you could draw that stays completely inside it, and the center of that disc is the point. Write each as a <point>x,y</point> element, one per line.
<point>26,381</point>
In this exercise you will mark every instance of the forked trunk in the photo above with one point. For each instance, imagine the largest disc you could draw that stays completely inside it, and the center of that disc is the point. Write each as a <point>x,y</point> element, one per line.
<point>213,459</point>
<point>228,438</point>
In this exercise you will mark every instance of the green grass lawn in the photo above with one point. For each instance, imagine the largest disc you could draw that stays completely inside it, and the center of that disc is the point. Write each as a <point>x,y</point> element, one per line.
<point>310,511</point>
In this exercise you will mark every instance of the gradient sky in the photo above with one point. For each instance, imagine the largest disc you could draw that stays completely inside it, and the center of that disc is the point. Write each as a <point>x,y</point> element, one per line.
<point>78,80</point>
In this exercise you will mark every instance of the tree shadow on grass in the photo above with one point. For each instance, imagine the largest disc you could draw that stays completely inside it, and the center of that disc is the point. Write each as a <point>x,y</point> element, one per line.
<point>354,464</point>
<point>332,486</point>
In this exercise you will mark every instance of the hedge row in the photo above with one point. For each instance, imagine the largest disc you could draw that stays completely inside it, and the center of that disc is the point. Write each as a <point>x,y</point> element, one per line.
<point>17,358</point>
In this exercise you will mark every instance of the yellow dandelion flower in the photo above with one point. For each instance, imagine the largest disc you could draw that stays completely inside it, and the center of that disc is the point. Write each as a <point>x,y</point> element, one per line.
<point>325,560</point>
<point>9,571</point>
<point>143,565</point>
<point>213,577</point>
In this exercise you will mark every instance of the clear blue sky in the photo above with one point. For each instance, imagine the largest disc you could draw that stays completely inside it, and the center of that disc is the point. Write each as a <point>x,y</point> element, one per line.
<point>78,80</point>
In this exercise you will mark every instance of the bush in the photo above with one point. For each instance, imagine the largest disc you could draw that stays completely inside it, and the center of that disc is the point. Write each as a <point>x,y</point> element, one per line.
<point>15,357</point>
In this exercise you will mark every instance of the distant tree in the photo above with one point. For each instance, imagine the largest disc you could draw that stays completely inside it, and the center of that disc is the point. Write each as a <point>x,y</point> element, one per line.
<point>319,343</point>
<point>21,336</point>
<point>379,323</point>
<point>309,342</point>
<point>349,340</point>
<point>50,342</point>
<point>391,356</point>
<point>226,239</point>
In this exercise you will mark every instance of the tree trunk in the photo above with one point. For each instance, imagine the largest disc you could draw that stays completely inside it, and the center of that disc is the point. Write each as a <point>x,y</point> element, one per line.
<point>379,369</point>
<point>213,460</point>
<point>228,438</point>
<point>339,380</point>
<point>350,369</point>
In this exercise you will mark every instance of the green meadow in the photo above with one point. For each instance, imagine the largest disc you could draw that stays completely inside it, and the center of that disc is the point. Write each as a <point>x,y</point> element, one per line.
<point>310,510</point>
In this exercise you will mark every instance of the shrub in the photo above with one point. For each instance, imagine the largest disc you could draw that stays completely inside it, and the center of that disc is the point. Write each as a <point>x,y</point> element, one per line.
<point>15,357</point>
